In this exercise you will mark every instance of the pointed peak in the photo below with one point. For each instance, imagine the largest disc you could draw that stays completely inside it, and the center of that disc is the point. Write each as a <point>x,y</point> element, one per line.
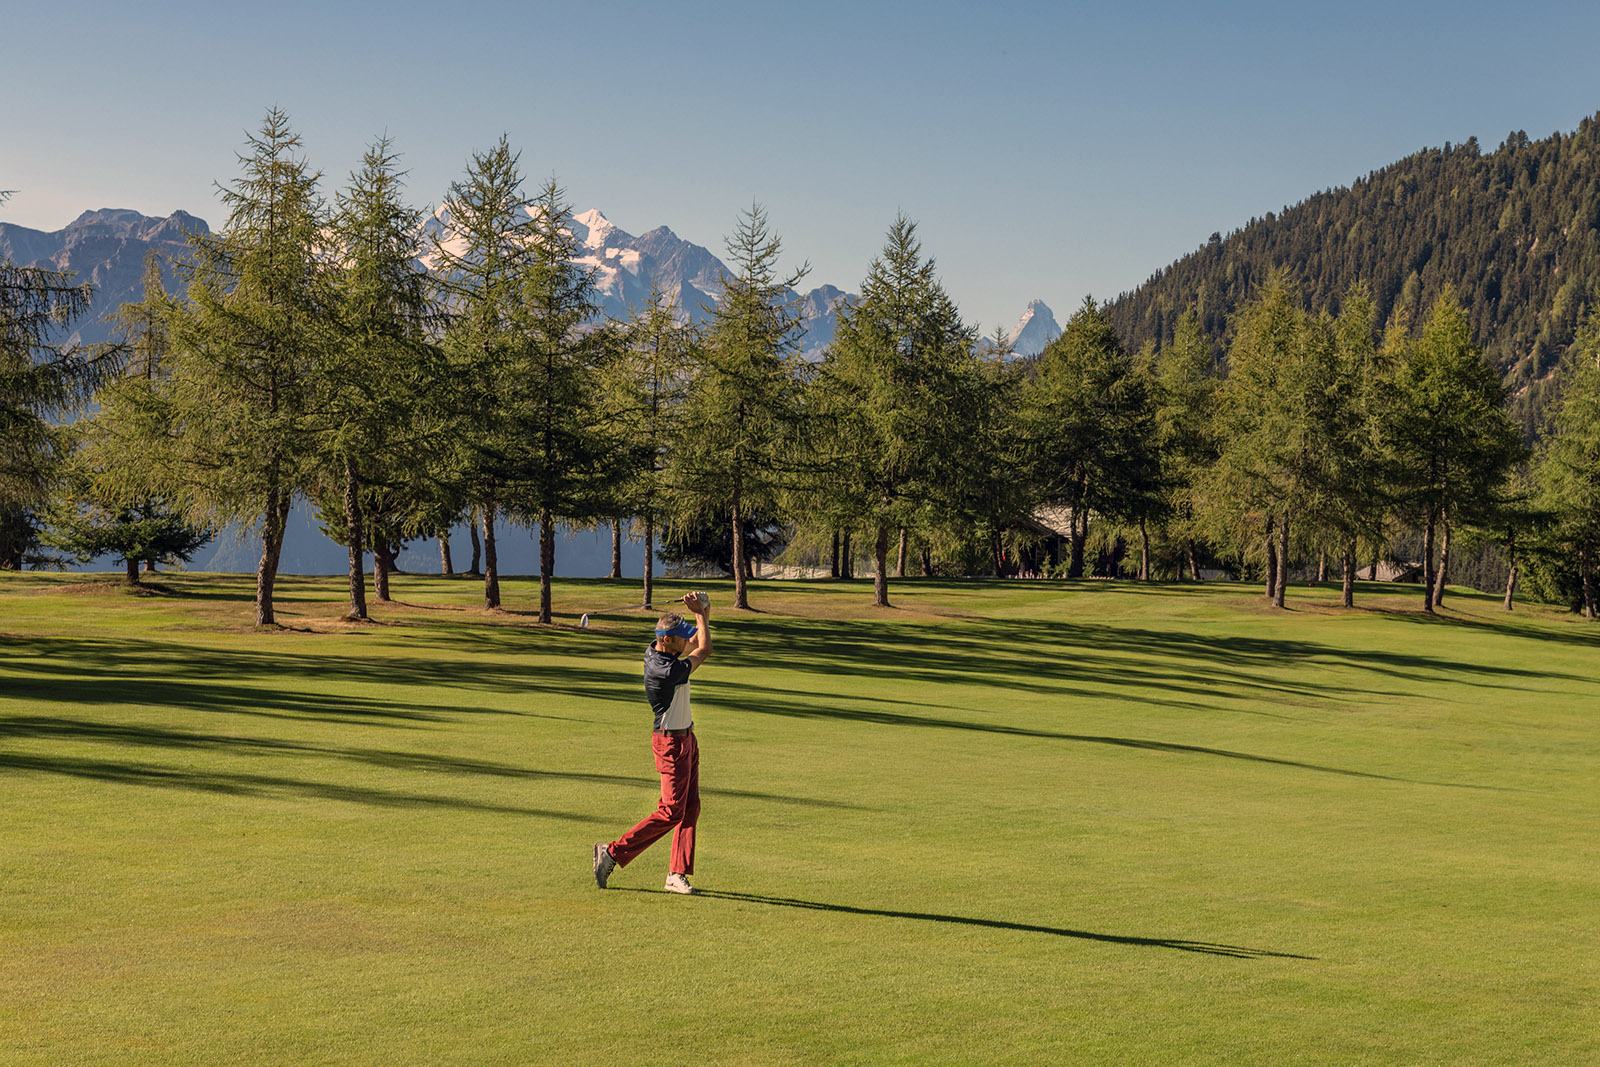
<point>592,228</point>
<point>1036,328</point>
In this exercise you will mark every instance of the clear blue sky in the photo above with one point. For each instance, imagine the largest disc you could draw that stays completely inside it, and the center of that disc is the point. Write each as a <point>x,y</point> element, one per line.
<point>1047,150</point>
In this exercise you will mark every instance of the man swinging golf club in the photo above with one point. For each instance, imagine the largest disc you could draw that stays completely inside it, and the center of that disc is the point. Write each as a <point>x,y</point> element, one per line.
<point>678,650</point>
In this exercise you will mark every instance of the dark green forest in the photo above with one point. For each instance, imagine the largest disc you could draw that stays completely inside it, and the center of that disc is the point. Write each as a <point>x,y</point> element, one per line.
<point>1515,232</point>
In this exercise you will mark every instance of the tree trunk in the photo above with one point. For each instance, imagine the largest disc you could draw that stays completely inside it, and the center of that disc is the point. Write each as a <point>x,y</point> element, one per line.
<point>491,565</point>
<point>649,556</point>
<point>276,518</point>
<point>1347,596</point>
<point>880,573</point>
<point>132,569</point>
<point>150,565</point>
<point>547,561</point>
<point>1283,562</point>
<point>355,539</point>
<point>741,593</point>
<point>446,567</point>
<point>1586,570</point>
<point>1322,566</point>
<point>1194,562</point>
<point>1079,528</point>
<point>382,565</point>
<point>1444,563</point>
<point>1272,559</point>
<point>1511,586</point>
<point>477,546</point>
<point>1372,571</point>
<point>900,561</point>
<point>996,554</point>
<point>845,569</point>
<point>927,562</point>
<point>616,548</point>
<point>833,569</point>
<point>1427,564</point>
<point>1144,552</point>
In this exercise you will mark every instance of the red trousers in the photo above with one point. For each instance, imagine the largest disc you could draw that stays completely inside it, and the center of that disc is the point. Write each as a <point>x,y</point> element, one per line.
<point>678,760</point>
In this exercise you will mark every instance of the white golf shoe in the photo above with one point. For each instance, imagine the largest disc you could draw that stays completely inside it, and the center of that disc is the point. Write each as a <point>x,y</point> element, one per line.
<point>677,883</point>
<point>603,864</point>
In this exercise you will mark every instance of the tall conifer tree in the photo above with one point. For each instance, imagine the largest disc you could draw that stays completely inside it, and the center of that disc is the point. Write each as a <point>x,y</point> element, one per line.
<point>1265,473</point>
<point>247,340</point>
<point>895,389</point>
<point>1087,425</point>
<point>1451,441</point>
<point>558,451</point>
<point>379,377</point>
<point>40,384</point>
<point>1569,466</point>
<point>646,383</point>
<point>120,497</point>
<point>740,416</point>
<point>1186,385</point>
<point>482,256</point>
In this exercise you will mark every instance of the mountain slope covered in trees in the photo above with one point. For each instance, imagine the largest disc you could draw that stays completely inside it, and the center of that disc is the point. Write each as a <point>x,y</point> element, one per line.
<point>1515,232</point>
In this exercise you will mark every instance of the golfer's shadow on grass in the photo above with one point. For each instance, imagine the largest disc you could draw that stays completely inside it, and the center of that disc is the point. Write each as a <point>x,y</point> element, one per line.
<point>1206,947</point>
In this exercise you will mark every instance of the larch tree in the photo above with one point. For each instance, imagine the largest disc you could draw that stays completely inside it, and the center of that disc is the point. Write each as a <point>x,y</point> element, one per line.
<point>1267,464</point>
<point>1087,425</point>
<point>1186,386</point>
<point>1351,415</point>
<point>558,448</point>
<point>892,394</point>
<point>119,495</point>
<point>1451,441</point>
<point>646,384</point>
<point>379,375</point>
<point>1568,469</point>
<point>41,384</point>
<point>740,418</point>
<point>482,255</point>
<point>246,341</point>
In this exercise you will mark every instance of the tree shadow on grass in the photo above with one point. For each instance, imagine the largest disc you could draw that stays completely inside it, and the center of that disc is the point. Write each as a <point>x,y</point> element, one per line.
<point>262,785</point>
<point>760,701</point>
<point>142,736</point>
<point>1045,656</point>
<point>1511,627</point>
<point>145,671</point>
<point>1209,948</point>
<point>217,698</point>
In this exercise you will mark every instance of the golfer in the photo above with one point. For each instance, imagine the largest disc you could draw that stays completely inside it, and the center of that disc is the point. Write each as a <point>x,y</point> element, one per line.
<point>678,650</point>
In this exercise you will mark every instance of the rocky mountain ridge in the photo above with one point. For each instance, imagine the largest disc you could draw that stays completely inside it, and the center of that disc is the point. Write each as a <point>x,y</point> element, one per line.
<point>108,248</point>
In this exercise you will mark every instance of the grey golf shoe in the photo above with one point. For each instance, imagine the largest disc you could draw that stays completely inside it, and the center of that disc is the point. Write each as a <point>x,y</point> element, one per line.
<point>603,864</point>
<point>677,883</point>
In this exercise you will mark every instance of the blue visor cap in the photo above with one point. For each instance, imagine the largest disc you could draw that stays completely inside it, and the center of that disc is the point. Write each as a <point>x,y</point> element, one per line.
<point>683,629</point>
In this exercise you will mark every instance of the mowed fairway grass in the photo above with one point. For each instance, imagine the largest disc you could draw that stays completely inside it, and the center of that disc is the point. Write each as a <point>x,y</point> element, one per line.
<point>1003,822</point>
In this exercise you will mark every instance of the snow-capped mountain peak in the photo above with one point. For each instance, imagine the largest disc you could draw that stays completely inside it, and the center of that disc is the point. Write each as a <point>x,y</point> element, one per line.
<point>1034,330</point>
<point>594,230</point>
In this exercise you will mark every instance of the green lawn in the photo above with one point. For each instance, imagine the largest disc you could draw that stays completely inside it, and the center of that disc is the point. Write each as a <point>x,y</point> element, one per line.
<point>1012,822</point>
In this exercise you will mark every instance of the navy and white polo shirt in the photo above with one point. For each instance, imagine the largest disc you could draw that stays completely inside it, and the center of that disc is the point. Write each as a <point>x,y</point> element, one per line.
<point>666,686</point>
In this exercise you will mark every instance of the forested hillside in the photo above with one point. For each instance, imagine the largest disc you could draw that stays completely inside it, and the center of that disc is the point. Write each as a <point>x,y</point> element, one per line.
<point>1514,231</point>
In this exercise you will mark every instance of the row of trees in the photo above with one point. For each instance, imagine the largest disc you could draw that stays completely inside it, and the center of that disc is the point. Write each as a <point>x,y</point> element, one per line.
<point>404,382</point>
<point>1319,437</point>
